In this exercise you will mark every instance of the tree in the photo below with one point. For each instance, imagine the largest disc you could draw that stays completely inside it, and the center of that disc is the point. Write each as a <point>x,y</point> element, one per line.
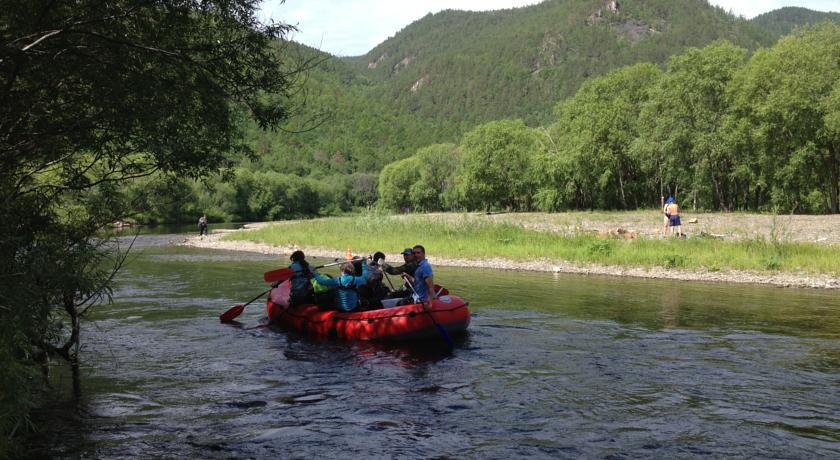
<point>438,165</point>
<point>93,94</point>
<point>496,158</point>
<point>681,135</point>
<point>395,182</point>
<point>595,130</point>
<point>787,96</point>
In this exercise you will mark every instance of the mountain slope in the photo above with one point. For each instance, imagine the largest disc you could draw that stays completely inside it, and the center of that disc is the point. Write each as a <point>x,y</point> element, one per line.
<point>471,67</point>
<point>784,20</point>
<point>339,127</point>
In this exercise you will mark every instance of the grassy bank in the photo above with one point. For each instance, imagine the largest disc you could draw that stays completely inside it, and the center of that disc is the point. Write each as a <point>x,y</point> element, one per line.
<point>475,237</point>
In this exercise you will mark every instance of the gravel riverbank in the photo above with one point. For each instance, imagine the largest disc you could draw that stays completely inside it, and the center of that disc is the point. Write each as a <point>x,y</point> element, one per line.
<point>779,279</point>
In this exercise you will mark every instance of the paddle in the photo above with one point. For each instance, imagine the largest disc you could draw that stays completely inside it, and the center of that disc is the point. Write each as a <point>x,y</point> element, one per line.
<point>426,309</point>
<point>283,274</point>
<point>389,280</point>
<point>229,315</point>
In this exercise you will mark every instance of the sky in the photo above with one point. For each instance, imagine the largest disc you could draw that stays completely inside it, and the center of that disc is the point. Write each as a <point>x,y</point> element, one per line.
<point>354,27</point>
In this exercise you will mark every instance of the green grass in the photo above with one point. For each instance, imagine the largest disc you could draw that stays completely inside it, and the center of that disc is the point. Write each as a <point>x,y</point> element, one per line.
<point>474,237</point>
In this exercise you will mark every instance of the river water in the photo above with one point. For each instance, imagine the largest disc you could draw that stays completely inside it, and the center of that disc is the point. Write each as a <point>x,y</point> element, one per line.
<point>553,366</point>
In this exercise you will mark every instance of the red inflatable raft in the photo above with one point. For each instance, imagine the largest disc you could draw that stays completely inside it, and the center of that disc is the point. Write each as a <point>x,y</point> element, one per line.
<point>406,322</point>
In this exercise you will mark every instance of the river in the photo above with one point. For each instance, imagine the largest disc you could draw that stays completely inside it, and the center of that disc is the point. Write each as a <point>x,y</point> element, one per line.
<point>553,366</point>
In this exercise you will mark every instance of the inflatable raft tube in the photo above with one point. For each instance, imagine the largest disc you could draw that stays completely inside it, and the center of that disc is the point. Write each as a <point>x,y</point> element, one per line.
<point>399,323</point>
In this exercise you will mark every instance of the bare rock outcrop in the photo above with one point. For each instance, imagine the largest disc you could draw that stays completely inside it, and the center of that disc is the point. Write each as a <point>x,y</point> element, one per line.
<point>375,64</point>
<point>404,62</point>
<point>419,83</point>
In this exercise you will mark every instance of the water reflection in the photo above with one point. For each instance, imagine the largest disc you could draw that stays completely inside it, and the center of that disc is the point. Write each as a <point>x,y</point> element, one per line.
<point>671,308</point>
<point>409,355</point>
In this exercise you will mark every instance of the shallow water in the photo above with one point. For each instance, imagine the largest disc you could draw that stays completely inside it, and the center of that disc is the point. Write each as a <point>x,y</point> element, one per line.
<point>553,365</point>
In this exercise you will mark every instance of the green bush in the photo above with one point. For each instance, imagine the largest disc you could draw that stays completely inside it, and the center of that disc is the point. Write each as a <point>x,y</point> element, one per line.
<point>673,261</point>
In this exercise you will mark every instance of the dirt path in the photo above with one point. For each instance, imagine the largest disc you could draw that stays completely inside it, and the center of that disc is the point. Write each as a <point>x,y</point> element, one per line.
<point>803,229</point>
<point>214,241</point>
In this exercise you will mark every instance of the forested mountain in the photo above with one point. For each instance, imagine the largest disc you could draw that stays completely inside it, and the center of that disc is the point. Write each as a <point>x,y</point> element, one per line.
<point>470,67</point>
<point>338,126</point>
<point>431,83</point>
<point>323,161</point>
<point>784,20</point>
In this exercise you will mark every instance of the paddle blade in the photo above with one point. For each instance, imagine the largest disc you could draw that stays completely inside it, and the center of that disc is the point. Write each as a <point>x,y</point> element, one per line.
<point>445,335</point>
<point>281,274</point>
<point>229,315</point>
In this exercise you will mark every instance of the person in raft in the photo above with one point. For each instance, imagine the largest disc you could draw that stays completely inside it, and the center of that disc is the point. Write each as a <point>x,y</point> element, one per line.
<point>374,290</point>
<point>423,279</point>
<point>672,211</point>
<point>301,292</point>
<point>408,267</point>
<point>346,295</point>
<point>202,225</point>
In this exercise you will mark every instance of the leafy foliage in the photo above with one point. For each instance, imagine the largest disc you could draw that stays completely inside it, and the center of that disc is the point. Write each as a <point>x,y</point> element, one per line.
<point>91,97</point>
<point>472,67</point>
<point>715,129</point>
<point>681,140</point>
<point>595,130</point>
<point>448,73</point>
<point>495,156</point>
<point>786,98</point>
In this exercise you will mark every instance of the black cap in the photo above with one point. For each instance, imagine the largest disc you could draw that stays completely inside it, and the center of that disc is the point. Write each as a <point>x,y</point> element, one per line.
<point>406,251</point>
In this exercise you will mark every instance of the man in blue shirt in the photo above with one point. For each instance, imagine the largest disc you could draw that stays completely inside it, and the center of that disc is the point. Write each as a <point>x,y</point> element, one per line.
<point>424,283</point>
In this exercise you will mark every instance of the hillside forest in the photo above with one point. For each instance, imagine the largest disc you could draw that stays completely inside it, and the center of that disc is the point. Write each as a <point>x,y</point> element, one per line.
<point>611,107</point>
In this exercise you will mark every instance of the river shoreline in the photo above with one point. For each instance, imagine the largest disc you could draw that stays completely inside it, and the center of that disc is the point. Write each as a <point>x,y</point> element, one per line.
<point>777,279</point>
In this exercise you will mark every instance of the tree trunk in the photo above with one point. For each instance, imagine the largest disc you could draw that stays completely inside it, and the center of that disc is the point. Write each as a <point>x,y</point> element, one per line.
<point>834,179</point>
<point>73,343</point>
<point>721,205</point>
<point>621,189</point>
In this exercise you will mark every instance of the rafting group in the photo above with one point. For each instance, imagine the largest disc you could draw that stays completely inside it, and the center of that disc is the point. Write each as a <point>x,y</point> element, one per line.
<point>357,305</point>
<point>360,284</point>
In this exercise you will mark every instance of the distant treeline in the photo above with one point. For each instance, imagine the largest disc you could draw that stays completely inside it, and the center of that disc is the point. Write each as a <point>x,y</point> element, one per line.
<point>719,130</point>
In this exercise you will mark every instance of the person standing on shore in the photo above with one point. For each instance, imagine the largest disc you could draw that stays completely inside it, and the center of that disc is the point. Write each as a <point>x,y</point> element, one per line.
<point>672,211</point>
<point>202,225</point>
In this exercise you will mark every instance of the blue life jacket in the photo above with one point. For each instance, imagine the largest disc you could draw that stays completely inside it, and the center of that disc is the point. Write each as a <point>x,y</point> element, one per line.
<point>346,296</point>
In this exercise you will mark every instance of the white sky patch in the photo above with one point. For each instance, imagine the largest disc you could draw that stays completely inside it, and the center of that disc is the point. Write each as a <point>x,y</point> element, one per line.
<point>354,27</point>
<point>752,8</point>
